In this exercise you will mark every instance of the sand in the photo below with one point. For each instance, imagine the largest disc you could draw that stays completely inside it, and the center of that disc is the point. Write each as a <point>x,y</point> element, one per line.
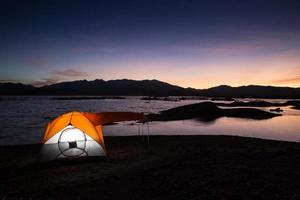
<point>171,167</point>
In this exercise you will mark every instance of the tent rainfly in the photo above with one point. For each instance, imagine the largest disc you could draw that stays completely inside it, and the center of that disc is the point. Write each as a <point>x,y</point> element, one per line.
<point>79,134</point>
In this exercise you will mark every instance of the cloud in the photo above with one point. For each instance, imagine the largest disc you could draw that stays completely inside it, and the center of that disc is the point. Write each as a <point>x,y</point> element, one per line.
<point>45,81</point>
<point>91,50</point>
<point>58,76</point>
<point>69,73</point>
<point>292,78</point>
<point>9,81</point>
<point>38,63</point>
<point>232,46</point>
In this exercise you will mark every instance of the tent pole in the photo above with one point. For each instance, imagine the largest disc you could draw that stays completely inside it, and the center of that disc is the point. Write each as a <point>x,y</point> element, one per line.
<point>148,132</point>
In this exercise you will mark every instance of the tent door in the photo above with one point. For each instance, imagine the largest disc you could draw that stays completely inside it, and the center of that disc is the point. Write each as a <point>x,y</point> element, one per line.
<point>72,145</point>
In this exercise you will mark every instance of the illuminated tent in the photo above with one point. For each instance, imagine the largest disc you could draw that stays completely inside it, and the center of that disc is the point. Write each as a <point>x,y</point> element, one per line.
<point>79,134</point>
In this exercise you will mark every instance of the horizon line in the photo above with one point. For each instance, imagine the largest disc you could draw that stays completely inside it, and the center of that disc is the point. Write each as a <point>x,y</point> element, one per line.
<point>58,82</point>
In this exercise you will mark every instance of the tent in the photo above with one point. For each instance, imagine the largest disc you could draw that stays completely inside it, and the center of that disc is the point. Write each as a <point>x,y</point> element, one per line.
<point>79,134</point>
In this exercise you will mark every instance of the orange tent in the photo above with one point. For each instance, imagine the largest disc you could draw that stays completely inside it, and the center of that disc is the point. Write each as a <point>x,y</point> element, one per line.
<point>78,133</point>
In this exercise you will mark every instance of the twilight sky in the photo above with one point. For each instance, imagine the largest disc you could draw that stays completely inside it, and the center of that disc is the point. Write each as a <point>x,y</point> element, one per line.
<point>189,42</point>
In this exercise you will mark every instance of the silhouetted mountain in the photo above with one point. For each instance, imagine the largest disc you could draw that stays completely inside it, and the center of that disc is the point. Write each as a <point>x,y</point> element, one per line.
<point>117,87</point>
<point>146,88</point>
<point>17,89</point>
<point>99,87</point>
<point>253,91</point>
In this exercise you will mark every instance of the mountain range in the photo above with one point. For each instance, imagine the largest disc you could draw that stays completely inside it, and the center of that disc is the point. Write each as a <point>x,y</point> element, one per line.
<point>146,88</point>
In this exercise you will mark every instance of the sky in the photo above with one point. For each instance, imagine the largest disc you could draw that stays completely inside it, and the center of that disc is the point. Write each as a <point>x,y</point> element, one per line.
<point>190,43</point>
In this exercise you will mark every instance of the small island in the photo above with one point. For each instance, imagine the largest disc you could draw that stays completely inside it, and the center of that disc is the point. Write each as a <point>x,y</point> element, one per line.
<point>209,111</point>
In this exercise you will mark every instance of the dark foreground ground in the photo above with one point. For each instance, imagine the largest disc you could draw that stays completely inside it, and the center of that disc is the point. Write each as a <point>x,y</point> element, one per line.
<point>171,167</point>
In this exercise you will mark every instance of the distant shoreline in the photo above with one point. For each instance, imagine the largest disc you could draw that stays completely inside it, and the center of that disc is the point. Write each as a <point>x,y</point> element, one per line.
<point>179,97</point>
<point>97,96</point>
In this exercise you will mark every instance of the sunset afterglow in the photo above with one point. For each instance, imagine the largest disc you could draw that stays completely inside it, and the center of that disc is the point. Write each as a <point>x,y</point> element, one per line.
<point>187,43</point>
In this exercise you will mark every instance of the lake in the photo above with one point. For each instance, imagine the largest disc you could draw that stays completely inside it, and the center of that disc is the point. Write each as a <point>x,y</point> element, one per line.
<point>23,119</point>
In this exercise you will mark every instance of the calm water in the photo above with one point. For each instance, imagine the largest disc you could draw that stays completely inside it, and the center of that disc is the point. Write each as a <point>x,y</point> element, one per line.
<point>23,119</point>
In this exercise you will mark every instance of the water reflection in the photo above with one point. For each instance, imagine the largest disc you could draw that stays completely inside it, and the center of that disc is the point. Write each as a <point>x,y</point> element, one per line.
<point>23,119</point>
<point>279,128</point>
